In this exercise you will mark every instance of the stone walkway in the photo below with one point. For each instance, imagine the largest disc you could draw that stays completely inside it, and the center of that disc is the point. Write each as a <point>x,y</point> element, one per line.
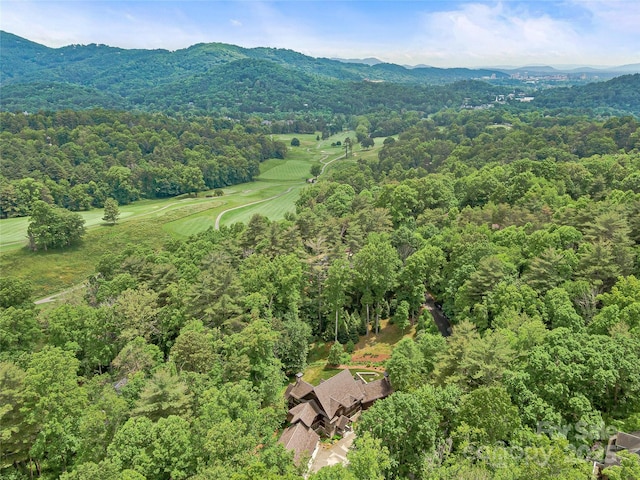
<point>332,454</point>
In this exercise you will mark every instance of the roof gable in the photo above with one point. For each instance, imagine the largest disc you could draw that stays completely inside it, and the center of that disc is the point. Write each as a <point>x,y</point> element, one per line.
<point>298,390</point>
<point>629,441</point>
<point>339,390</point>
<point>299,438</point>
<point>376,390</point>
<point>305,412</point>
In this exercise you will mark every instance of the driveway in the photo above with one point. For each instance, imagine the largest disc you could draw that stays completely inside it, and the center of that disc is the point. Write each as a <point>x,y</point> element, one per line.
<point>442,322</point>
<point>332,454</point>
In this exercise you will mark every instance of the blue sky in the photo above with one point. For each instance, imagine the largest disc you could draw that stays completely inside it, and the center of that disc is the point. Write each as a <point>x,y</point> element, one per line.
<point>433,32</point>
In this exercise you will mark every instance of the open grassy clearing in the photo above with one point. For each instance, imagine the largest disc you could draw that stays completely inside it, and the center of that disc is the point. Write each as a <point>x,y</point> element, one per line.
<point>314,374</point>
<point>370,354</point>
<point>236,196</point>
<point>13,231</point>
<point>274,209</point>
<point>55,270</point>
<point>153,222</point>
<point>287,171</point>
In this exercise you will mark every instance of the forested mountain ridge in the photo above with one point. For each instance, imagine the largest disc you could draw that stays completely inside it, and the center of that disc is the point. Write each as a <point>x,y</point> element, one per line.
<point>231,80</point>
<point>618,95</point>
<point>207,78</point>
<point>97,65</point>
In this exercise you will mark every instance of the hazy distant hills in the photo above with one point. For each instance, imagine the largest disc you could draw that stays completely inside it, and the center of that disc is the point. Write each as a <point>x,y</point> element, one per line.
<point>217,77</point>
<point>510,69</point>
<point>570,69</point>
<point>96,65</point>
<point>367,61</point>
<point>228,79</point>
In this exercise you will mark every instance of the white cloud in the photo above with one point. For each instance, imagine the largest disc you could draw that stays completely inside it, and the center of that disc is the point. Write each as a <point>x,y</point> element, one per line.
<point>519,33</point>
<point>466,33</point>
<point>57,24</point>
<point>477,34</point>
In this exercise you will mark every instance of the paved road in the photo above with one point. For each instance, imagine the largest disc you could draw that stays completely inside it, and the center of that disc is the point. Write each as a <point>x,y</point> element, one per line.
<point>326,164</point>
<point>442,322</point>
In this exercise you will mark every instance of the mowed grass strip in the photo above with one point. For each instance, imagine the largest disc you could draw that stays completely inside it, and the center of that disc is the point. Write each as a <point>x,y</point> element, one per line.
<point>13,231</point>
<point>56,270</point>
<point>274,209</point>
<point>153,222</point>
<point>242,194</point>
<point>293,170</point>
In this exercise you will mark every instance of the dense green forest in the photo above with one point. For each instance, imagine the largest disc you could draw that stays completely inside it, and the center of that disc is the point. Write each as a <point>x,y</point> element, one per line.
<point>77,160</point>
<point>520,220</point>
<point>217,78</point>
<point>172,363</point>
<point>618,95</point>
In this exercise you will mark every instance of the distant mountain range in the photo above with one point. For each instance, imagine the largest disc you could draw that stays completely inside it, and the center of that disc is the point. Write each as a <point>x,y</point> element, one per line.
<point>510,69</point>
<point>222,78</point>
<point>366,61</point>
<point>573,69</point>
<point>215,77</point>
<point>24,61</point>
<point>227,79</point>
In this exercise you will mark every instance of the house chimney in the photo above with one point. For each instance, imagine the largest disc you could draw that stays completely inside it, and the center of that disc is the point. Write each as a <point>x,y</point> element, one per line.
<point>299,377</point>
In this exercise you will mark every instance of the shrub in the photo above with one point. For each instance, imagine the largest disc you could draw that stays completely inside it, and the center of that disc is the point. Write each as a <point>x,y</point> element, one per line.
<point>350,346</point>
<point>335,354</point>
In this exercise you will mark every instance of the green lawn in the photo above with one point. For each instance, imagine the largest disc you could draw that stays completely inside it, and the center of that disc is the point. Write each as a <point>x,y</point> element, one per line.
<point>275,209</point>
<point>315,373</point>
<point>369,355</point>
<point>13,231</point>
<point>153,222</point>
<point>55,270</point>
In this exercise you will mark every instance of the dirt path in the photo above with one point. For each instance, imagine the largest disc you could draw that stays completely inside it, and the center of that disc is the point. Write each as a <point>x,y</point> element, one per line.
<point>55,296</point>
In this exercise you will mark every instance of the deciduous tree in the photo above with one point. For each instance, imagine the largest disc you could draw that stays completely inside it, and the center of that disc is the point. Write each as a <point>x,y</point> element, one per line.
<point>111,211</point>
<point>53,227</point>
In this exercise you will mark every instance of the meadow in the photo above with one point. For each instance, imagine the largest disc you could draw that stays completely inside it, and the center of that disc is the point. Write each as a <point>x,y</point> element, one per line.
<point>154,222</point>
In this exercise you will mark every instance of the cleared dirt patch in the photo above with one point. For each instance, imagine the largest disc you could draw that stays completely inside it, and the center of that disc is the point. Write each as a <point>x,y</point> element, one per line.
<point>368,357</point>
